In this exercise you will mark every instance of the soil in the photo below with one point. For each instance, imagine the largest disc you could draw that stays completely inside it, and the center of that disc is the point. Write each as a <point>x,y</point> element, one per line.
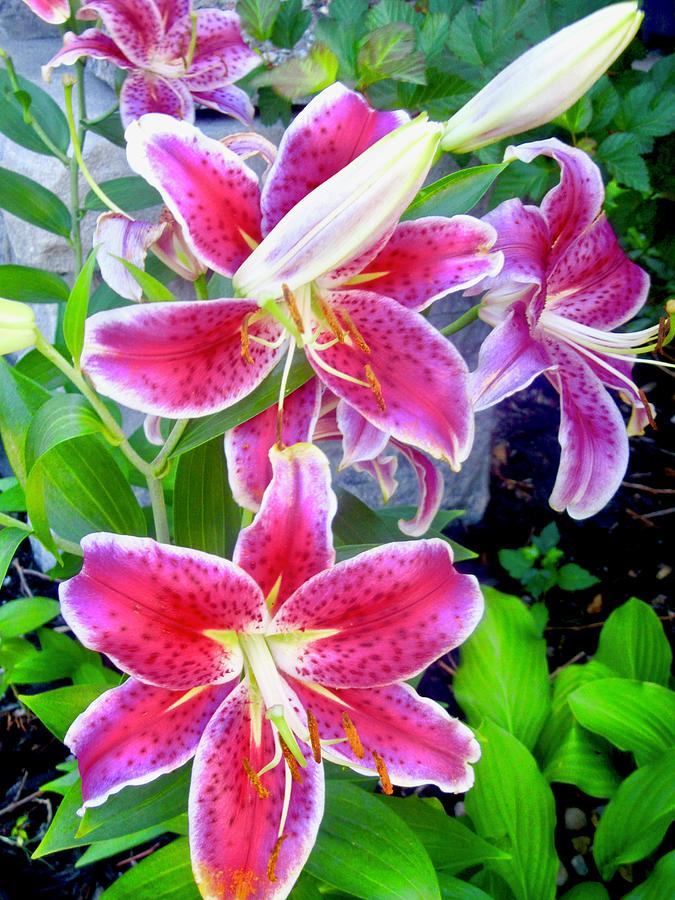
<point>628,546</point>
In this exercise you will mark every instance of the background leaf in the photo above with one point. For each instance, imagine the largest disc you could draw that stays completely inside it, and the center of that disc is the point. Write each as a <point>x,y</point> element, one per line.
<point>164,874</point>
<point>660,882</point>
<point>10,538</point>
<point>58,709</point>
<point>456,193</point>
<point>290,24</point>
<point>30,285</point>
<point>258,16</point>
<point>130,192</point>
<point>76,308</point>
<point>633,644</point>
<point>19,616</point>
<point>45,111</point>
<point>33,203</point>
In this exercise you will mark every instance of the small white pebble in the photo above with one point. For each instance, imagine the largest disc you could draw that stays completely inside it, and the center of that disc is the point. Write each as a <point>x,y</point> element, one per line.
<point>579,864</point>
<point>460,809</point>
<point>562,876</point>
<point>575,818</point>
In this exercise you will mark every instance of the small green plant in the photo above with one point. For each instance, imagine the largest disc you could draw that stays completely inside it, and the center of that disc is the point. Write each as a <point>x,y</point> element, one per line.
<point>539,566</point>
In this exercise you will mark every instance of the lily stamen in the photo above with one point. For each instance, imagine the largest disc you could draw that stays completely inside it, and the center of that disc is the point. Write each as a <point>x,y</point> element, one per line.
<point>314,739</point>
<point>246,341</point>
<point>382,771</point>
<point>291,762</point>
<point>331,320</point>
<point>289,298</point>
<point>354,332</point>
<point>648,409</point>
<point>243,884</point>
<point>274,857</point>
<point>254,778</point>
<point>375,387</point>
<point>332,371</point>
<point>353,736</point>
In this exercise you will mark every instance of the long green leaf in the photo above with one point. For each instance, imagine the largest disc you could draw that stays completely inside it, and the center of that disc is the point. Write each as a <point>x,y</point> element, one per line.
<point>637,817</point>
<point>636,716</point>
<point>58,709</point>
<point>33,203</point>
<point>105,849</point>
<point>131,193</point>
<point>152,287</point>
<point>76,308</point>
<point>633,643</point>
<point>30,285</point>
<point>660,882</point>
<point>62,418</point>
<point>366,850</point>
<point>511,805</point>
<point>20,616</point>
<point>590,890</point>
<point>205,516</point>
<point>20,399</point>
<point>165,875</point>
<point>503,672</point>
<point>10,538</point>
<point>42,108</point>
<point>454,194</point>
<point>455,889</point>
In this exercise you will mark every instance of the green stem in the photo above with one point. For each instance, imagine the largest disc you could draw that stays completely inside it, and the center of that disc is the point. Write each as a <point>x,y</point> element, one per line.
<point>64,544</point>
<point>465,319</point>
<point>201,288</point>
<point>11,522</point>
<point>77,149</point>
<point>81,102</point>
<point>158,463</point>
<point>75,232</point>
<point>68,546</point>
<point>159,510</point>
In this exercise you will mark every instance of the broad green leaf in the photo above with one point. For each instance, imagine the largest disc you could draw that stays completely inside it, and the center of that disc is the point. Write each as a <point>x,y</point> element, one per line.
<point>456,193</point>
<point>590,890</point>
<point>105,849</point>
<point>366,850</point>
<point>451,845</point>
<point>307,888</point>
<point>219,286</point>
<point>76,308</point>
<point>660,882</point>
<point>258,16</point>
<point>42,108</point>
<point>61,832</point>
<point>108,126</point>
<point>130,192</point>
<point>12,498</point>
<point>386,12</point>
<point>518,562</point>
<point>342,38</point>
<point>646,111</point>
<point>40,370</point>
<point>205,516</point>
<point>58,709</point>
<point>62,418</point>
<point>30,285</point>
<point>291,23</point>
<point>10,538</point>
<point>76,488</point>
<point>634,645</point>
<point>152,287</point>
<point>28,200</point>
<point>503,672</point>
<point>511,805</point>
<point>433,34</point>
<point>572,577</point>
<point>59,657</point>
<point>578,117</point>
<point>568,753</point>
<point>530,181</point>
<point>548,538</point>
<point>199,431</point>
<point>455,889</point>
<point>20,616</point>
<point>273,108</point>
<point>346,11</point>
<point>20,399</point>
<point>164,874</point>
<point>636,716</point>
<point>637,817</point>
<point>618,152</point>
<point>389,52</point>
<point>300,76</point>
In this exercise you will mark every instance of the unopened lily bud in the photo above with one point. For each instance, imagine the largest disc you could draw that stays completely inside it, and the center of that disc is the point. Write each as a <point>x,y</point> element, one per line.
<point>545,81</point>
<point>17,326</point>
<point>343,217</point>
<point>55,12</point>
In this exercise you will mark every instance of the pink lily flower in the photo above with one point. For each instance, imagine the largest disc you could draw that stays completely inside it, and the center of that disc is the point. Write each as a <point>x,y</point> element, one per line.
<point>262,668</point>
<point>324,225</point>
<point>175,57</point>
<point>54,12</point>
<point>566,283</point>
<point>313,414</point>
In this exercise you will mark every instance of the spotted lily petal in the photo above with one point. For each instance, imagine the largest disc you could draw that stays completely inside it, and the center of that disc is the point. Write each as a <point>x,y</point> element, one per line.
<point>361,441</point>
<point>55,12</point>
<point>116,236</point>
<point>134,25</point>
<point>148,606</point>
<point>144,92</point>
<point>291,536</point>
<point>92,43</point>
<point>229,100</point>
<point>136,732</point>
<point>388,612</point>
<point>430,490</point>
<point>240,844</point>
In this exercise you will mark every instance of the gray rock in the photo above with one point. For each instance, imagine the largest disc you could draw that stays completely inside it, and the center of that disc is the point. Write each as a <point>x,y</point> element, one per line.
<point>575,819</point>
<point>17,21</point>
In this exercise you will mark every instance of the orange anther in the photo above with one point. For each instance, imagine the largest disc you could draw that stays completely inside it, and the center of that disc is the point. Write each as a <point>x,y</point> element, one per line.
<point>375,387</point>
<point>314,740</point>
<point>293,307</point>
<point>332,320</point>
<point>664,330</point>
<point>353,736</point>
<point>243,884</point>
<point>358,338</point>
<point>272,864</point>
<point>291,762</point>
<point>246,341</point>
<point>254,778</point>
<point>381,767</point>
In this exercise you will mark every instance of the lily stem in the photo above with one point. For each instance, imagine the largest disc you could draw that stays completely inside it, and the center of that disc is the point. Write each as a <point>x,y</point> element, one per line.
<point>63,543</point>
<point>11,522</point>
<point>201,288</point>
<point>465,319</point>
<point>169,445</point>
<point>159,515</point>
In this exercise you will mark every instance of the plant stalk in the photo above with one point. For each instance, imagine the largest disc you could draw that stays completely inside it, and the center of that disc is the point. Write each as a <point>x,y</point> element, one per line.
<point>465,319</point>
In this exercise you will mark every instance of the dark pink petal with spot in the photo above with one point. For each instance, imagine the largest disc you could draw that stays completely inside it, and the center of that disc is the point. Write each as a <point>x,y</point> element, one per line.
<point>231,101</point>
<point>208,188</point>
<point>333,129</point>
<point>427,258</point>
<point>234,831</point>
<point>247,446</point>
<point>220,56</point>
<point>135,25</point>
<point>119,236</point>
<point>92,43</point>
<point>430,488</point>
<point>423,379</point>
<point>291,535</point>
<point>593,439</point>
<point>571,206</point>
<point>178,360</point>
<point>418,741</point>
<point>134,733</point>
<point>361,441</point>
<point>172,10</point>
<point>509,359</point>
<point>395,609</point>
<point>617,374</point>
<point>143,92</point>
<point>594,282</point>
<point>147,605</point>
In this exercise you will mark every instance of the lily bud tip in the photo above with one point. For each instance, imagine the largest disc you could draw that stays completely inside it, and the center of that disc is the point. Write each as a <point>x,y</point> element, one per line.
<point>17,326</point>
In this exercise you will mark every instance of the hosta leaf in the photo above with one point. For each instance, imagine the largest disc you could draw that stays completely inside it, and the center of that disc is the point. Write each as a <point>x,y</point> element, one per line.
<point>20,616</point>
<point>455,889</point>
<point>164,874</point>
<point>633,715</point>
<point>456,193</point>
<point>131,192</point>
<point>633,643</point>
<point>28,200</point>
<point>660,882</point>
<point>503,672</point>
<point>636,818</point>
<point>30,285</point>
<point>511,805</point>
<point>301,76</point>
<point>591,890</point>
